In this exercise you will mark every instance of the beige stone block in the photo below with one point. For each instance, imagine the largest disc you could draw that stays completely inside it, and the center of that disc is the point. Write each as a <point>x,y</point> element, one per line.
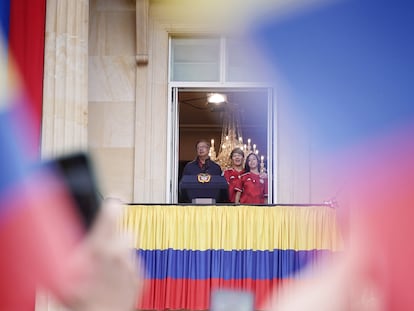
<point>119,125</point>
<point>96,122</point>
<point>114,169</point>
<point>111,125</point>
<point>112,33</point>
<point>111,5</point>
<point>111,78</point>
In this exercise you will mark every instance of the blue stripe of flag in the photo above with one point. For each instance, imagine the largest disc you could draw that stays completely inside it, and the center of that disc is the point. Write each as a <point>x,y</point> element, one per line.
<point>13,162</point>
<point>5,18</point>
<point>227,265</point>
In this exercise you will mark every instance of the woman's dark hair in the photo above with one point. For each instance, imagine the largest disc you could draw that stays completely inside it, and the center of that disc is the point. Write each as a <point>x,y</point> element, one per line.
<point>236,150</point>
<point>246,165</point>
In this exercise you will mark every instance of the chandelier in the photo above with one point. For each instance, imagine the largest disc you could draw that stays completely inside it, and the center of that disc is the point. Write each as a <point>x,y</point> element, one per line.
<point>231,137</point>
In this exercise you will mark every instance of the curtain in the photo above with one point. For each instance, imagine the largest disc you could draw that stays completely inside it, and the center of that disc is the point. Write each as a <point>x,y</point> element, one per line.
<point>189,251</point>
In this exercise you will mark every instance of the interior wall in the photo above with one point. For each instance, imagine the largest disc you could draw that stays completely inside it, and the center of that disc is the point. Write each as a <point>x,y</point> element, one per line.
<point>112,94</point>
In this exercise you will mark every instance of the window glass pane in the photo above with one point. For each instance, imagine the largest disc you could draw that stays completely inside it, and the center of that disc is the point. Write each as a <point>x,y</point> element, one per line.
<point>195,59</point>
<point>242,63</point>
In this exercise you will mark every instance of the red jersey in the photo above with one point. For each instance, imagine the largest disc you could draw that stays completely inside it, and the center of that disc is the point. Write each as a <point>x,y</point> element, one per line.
<point>232,177</point>
<point>254,188</point>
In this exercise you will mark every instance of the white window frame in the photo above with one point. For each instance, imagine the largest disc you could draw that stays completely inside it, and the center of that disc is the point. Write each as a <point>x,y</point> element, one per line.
<point>174,87</point>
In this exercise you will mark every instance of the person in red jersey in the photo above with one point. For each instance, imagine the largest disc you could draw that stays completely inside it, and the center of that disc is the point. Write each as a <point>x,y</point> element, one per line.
<point>252,185</point>
<point>232,174</point>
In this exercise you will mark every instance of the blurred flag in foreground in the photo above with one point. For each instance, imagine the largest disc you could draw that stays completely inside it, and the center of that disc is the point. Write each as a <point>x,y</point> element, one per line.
<point>37,224</point>
<point>348,67</point>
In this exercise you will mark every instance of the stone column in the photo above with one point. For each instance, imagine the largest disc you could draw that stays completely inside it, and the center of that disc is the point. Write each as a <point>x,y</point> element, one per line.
<point>65,85</point>
<point>65,97</point>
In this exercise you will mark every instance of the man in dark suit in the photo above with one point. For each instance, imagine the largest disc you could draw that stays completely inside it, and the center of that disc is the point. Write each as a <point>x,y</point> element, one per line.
<point>205,168</point>
<point>202,163</point>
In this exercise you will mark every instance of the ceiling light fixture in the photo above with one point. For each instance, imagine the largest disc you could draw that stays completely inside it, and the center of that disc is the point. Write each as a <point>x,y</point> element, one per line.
<point>216,98</point>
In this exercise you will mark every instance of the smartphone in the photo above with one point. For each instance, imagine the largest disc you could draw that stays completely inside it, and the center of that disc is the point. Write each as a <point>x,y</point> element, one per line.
<point>231,300</point>
<point>77,173</point>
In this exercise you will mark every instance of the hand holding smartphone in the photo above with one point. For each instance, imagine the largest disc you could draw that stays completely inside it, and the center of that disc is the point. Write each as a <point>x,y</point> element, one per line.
<point>77,173</point>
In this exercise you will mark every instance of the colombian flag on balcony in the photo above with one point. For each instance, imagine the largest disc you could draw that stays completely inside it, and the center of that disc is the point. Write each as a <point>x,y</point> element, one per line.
<point>190,251</point>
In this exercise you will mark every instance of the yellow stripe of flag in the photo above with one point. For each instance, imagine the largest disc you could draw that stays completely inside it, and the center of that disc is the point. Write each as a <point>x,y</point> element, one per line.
<point>159,227</point>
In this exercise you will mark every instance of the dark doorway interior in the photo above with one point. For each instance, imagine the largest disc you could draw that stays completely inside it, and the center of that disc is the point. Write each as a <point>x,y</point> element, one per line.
<point>200,120</point>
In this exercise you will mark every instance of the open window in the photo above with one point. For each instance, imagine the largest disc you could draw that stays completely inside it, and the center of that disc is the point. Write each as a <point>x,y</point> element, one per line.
<point>204,65</point>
